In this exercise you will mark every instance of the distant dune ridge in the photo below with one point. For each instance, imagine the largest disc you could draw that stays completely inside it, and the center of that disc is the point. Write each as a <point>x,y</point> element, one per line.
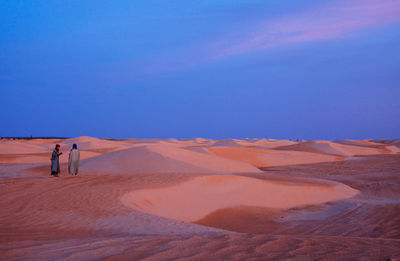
<point>161,158</point>
<point>90,143</point>
<point>22,147</point>
<point>269,157</point>
<point>243,198</point>
<point>342,148</point>
<point>193,155</point>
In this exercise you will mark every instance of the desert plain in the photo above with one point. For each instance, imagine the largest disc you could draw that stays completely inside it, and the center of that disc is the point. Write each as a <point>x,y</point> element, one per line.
<point>201,199</point>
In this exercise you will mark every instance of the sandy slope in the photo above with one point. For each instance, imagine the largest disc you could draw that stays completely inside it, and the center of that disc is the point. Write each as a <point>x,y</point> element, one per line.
<point>210,193</point>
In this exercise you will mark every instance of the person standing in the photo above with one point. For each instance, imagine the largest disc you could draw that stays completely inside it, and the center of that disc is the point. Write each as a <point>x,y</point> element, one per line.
<point>55,163</point>
<point>73,160</point>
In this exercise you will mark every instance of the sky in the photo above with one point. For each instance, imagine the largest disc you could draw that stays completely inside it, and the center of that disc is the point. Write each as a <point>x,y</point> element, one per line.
<point>294,69</point>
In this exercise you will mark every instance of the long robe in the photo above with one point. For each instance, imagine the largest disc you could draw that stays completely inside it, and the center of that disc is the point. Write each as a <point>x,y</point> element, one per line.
<point>55,163</point>
<point>73,161</point>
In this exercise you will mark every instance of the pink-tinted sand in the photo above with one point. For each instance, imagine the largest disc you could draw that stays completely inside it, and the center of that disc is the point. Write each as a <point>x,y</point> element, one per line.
<point>201,199</point>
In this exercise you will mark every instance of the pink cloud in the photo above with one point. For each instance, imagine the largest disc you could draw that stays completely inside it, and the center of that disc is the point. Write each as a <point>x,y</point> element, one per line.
<point>339,19</point>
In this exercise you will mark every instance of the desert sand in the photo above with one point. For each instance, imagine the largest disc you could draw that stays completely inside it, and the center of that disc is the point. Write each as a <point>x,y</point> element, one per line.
<point>215,192</point>
<point>201,199</point>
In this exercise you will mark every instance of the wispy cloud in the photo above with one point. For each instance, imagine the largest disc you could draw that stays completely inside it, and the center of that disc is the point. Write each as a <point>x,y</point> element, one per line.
<point>334,20</point>
<point>337,19</point>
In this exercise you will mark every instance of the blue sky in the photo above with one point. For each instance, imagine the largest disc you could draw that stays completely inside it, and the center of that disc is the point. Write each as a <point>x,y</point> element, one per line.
<point>216,69</point>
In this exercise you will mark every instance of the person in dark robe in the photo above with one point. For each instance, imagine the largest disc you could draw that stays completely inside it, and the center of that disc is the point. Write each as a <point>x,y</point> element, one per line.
<point>73,160</point>
<point>55,163</point>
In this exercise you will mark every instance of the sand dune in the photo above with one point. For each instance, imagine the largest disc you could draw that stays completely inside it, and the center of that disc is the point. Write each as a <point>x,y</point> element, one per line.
<point>226,142</point>
<point>90,143</point>
<point>395,142</point>
<point>210,193</point>
<point>267,157</point>
<point>286,212</point>
<point>268,143</point>
<point>393,149</point>
<point>333,148</point>
<point>22,147</point>
<point>159,158</point>
<point>362,143</point>
<point>202,141</point>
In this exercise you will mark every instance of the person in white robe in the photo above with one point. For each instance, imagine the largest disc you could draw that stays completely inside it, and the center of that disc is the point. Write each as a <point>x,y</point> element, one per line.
<point>73,160</point>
